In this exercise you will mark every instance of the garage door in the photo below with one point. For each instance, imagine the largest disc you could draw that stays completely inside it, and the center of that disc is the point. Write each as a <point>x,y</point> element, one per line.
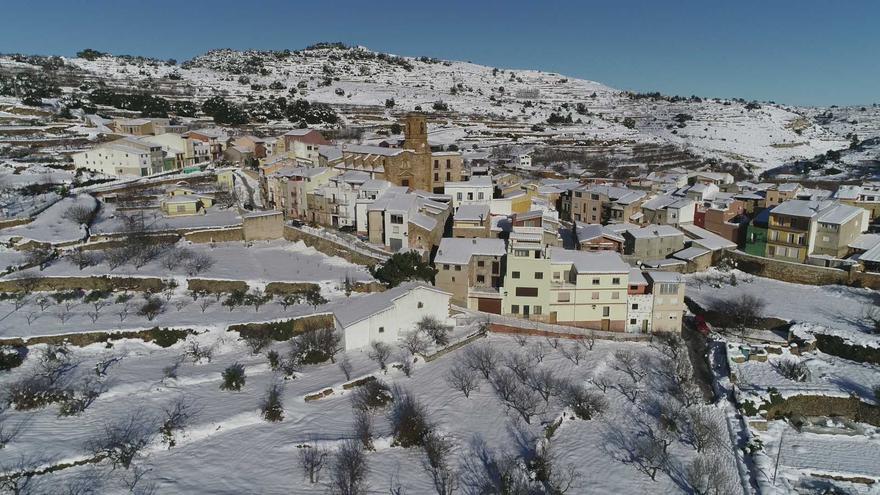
<point>489,305</point>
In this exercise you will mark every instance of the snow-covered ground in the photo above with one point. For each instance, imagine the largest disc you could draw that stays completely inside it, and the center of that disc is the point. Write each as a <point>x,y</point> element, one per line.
<point>837,309</point>
<point>51,226</point>
<point>229,448</point>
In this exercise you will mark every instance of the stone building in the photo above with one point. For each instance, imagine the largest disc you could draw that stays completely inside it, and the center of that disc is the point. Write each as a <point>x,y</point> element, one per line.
<point>472,270</point>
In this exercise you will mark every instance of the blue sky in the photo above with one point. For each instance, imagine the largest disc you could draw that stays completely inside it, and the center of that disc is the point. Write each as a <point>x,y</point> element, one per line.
<point>806,52</point>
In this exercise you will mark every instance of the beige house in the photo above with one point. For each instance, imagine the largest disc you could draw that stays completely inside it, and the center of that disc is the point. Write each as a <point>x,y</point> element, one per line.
<point>472,270</point>
<point>780,193</point>
<point>400,220</point>
<point>668,210</point>
<point>288,188</point>
<point>652,242</point>
<point>798,229</point>
<point>668,290</point>
<point>601,203</point>
<point>181,200</point>
<point>865,196</point>
<point>472,220</point>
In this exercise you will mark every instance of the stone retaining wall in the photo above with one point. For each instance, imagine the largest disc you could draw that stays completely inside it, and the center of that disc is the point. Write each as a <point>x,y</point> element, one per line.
<point>800,273</point>
<point>328,247</point>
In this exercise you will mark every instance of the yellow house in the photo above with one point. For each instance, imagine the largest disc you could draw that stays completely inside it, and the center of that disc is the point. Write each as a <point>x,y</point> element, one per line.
<point>185,201</point>
<point>554,285</point>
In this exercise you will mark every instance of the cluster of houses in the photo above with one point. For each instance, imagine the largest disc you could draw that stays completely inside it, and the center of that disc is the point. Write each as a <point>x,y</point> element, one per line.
<point>590,253</point>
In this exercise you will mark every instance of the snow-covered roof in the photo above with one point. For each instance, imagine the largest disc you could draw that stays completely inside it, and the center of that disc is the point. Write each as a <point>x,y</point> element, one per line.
<point>655,231</point>
<point>800,208</point>
<point>364,149</point>
<point>864,242</point>
<point>636,277</point>
<point>477,181</point>
<point>840,214</point>
<point>665,277</point>
<point>358,309</point>
<point>707,239</point>
<point>690,253</point>
<point>475,211</point>
<point>589,262</point>
<point>455,251</point>
<point>588,232</point>
<point>299,172</point>
<point>423,221</point>
<point>872,255</point>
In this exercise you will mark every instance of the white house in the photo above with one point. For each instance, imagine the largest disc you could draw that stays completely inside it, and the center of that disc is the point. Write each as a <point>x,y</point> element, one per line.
<point>478,190</point>
<point>388,316</point>
<point>639,304</point>
<point>523,161</point>
<point>124,157</point>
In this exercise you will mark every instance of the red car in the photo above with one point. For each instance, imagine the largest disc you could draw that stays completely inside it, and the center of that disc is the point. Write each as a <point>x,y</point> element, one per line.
<point>702,326</point>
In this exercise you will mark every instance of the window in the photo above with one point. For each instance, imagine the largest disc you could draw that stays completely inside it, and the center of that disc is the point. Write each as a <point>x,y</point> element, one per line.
<point>404,183</point>
<point>446,267</point>
<point>632,321</point>
<point>436,163</point>
<point>536,310</point>
<point>555,275</point>
<point>635,306</point>
<point>539,275</point>
<point>436,176</point>
<point>420,305</point>
<point>481,263</point>
<point>448,163</point>
<point>397,219</point>
<point>564,297</point>
<point>480,195</point>
<point>481,279</point>
<point>448,176</point>
<point>633,287</point>
<point>515,274</point>
<point>458,268</point>
<point>458,196</point>
<point>606,311</point>
<point>522,253</point>
<point>527,292</point>
<point>615,280</point>
<point>668,289</point>
<point>514,309</point>
<point>381,329</point>
<point>595,295</point>
<point>595,281</point>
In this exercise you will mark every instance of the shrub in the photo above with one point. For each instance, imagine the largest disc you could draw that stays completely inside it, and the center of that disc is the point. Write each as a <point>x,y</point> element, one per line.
<point>274,360</point>
<point>434,329</point>
<point>792,369</point>
<point>233,377</point>
<point>271,406</point>
<point>11,357</point>
<point>409,420</point>
<point>371,394</point>
<point>152,307</point>
<point>167,337</point>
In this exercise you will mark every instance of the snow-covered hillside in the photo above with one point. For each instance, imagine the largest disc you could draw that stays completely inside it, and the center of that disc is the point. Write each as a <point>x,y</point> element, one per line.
<point>491,106</point>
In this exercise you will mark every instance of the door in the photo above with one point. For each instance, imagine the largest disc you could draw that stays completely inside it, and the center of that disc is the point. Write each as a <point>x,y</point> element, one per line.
<point>489,305</point>
<point>526,311</point>
<point>396,244</point>
<point>644,326</point>
<point>606,325</point>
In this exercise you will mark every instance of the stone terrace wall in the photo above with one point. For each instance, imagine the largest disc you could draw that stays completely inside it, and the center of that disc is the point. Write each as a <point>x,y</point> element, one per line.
<point>215,235</point>
<point>329,247</point>
<point>800,273</point>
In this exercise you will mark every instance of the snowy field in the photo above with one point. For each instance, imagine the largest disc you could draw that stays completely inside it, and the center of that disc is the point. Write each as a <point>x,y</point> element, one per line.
<point>51,225</point>
<point>835,308</point>
<point>227,447</point>
<point>256,262</point>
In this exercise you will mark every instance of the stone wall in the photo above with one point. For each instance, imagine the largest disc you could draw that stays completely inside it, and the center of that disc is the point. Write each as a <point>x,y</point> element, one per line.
<point>328,247</point>
<point>215,235</point>
<point>148,284</point>
<point>263,226</point>
<point>800,273</point>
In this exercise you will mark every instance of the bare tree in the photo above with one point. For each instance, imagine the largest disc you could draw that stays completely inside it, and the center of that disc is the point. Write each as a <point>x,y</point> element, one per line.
<point>103,365</point>
<point>205,303</point>
<point>519,365</point>
<point>31,316</point>
<point>312,459</point>
<point>198,263</point>
<point>177,415</point>
<point>82,258</point>
<point>406,363</point>
<point>709,475</point>
<point>257,341</point>
<point>151,308</point>
<point>574,352</point>
<point>175,257</point>
<point>198,353</point>
<point>649,453</point>
<point>9,429</point>
<point>346,366</point>
<point>628,362</point>
<point>348,470</point>
<point>39,256</point>
<point>22,477</point>
<point>325,340</point>
<point>380,352</point>
<point>628,388</point>
<point>437,331</point>
<point>536,353</point>
<point>79,214</point>
<point>603,381</point>
<point>553,342</point>
<point>521,339</point>
<point>589,340</point>
<point>121,442</point>
<point>741,314</point>
<point>704,430</point>
<point>124,311</point>
<point>483,358</point>
<point>557,478</point>
<point>462,378</point>
<point>438,464</point>
<point>515,395</point>
<point>871,315</point>
<point>363,428</point>
<point>414,343</point>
